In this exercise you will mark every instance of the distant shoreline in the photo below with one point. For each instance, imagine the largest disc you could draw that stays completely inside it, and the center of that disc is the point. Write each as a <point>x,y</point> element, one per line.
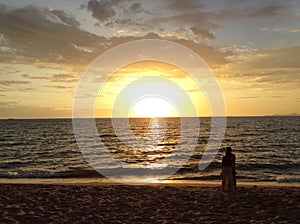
<point>69,118</point>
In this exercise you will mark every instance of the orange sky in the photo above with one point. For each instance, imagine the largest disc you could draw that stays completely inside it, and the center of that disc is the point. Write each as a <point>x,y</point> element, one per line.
<point>157,76</point>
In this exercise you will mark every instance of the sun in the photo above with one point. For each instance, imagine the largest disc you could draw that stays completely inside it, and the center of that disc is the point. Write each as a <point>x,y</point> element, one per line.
<point>150,89</point>
<point>153,106</point>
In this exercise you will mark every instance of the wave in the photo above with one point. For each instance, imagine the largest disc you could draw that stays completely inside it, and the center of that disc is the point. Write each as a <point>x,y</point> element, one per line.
<point>208,177</point>
<point>288,179</point>
<point>260,166</point>
<point>74,174</point>
<point>82,174</point>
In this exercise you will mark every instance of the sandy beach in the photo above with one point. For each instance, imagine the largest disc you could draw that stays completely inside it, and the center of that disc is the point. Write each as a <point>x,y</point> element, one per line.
<point>47,203</point>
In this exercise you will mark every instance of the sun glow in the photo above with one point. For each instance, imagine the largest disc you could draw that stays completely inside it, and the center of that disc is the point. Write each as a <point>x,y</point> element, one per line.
<point>150,89</point>
<point>153,107</point>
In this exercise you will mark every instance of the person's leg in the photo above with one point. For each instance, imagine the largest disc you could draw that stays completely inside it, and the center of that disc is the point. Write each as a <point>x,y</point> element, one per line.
<point>234,180</point>
<point>223,185</point>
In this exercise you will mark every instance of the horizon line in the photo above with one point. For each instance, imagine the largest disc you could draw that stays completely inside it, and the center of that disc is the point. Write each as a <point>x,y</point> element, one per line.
<point>45,118</point>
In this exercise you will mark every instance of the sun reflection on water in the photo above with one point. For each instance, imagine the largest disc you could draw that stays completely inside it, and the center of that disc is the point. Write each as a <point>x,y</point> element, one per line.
<point>154,180</point>
<point>157,130</point>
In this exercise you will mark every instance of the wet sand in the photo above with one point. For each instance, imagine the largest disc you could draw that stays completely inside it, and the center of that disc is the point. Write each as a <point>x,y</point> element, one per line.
<point>108,203</point>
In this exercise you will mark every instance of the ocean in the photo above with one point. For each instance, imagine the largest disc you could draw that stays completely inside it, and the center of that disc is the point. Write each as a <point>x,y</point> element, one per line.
<point>267,149</point>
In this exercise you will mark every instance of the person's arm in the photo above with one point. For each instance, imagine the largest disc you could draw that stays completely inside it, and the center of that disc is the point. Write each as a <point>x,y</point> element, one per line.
<point>223,161</point>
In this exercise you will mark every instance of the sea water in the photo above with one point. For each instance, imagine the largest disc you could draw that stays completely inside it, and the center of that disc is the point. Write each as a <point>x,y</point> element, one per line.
<point>267,149</point>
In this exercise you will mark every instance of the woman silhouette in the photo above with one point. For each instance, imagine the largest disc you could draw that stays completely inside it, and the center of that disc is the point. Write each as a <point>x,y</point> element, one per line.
<point>228,171</point>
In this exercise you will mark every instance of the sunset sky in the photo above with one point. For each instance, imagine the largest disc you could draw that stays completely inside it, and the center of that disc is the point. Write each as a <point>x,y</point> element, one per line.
<point>252,47</point>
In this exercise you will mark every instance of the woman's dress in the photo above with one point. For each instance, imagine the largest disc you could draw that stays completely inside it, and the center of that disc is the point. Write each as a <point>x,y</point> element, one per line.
<point>227,177</point>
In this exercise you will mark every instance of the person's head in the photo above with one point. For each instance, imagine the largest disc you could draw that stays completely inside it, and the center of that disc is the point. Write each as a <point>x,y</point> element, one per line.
<point>228,151</point>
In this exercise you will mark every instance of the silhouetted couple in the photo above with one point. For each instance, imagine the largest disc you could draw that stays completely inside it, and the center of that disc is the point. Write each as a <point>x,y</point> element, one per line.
<point>228,171</point>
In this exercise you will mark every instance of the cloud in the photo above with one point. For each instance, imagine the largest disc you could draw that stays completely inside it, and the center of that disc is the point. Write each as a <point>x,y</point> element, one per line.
<point>27,89</point>
<point>47,38</point>
<point>55,78</point>
<point>237,1</point>
<point>193,26</point>
<point>196,13</point>
<point>7,71</point>
<point>265,70</point>
<point>187,5</point>
<point>136,7</point>
<point>65,18</point>
<point>103,9</point>
<point>245,12</point>
<point>257,97</point>
<point>247,97</point>
<point>30,13</point>
<point>212,55</point>
<point>27,76</point>
<point>294,30</point>
<point>27,30</point>
<point>265,11</point>
<point>278,58</point>
<point>13,82</point>
<point>203,33</point>
<point>173,16</point>
<point>65,78</point>
<point>17,110</point>
<point>278,29</point>
<point>137,19</point>
<point>8,104</point>
<point>34,34</point>
<point>62,76</point>
<point>83,49</point>
<point>190,19</point>
<point>59,87</point>
<point>3,8</point>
